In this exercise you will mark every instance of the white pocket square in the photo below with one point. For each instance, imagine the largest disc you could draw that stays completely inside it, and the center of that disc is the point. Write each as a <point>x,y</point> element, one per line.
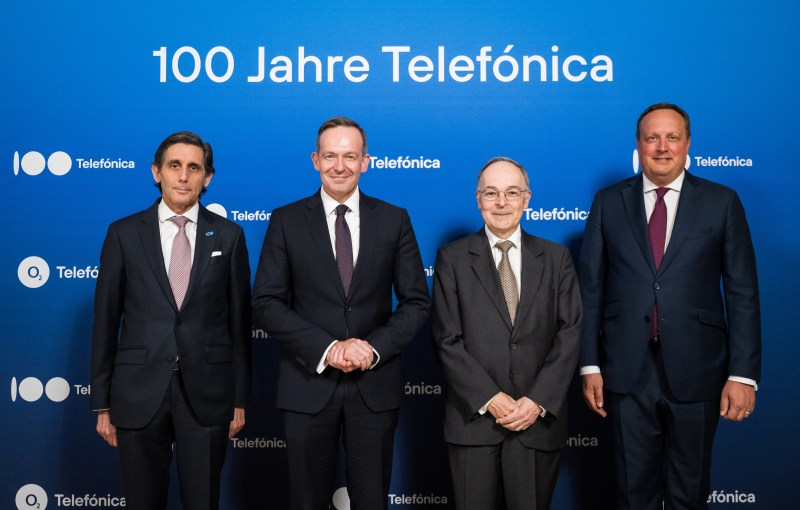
<point>216,253</point>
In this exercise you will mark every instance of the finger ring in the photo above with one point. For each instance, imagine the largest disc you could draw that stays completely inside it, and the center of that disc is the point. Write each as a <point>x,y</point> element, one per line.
<point>747,413</point>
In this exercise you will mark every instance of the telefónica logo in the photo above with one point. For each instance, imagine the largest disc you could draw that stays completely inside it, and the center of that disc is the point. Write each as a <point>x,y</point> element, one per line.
<point>31,497</point>
<point>31,389</point>
<point>33,272</point>
<point>33,163</point>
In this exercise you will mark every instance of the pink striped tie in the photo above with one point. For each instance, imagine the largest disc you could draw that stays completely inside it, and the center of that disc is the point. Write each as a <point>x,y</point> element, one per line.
<point>180,263</point>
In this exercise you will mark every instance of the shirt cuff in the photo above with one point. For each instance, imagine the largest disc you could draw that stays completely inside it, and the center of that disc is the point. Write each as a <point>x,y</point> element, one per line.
<point>744,380</point>
<point>376,358</point>
<point>590,369</point>
<point>485,407</point>
<point>323,364</point>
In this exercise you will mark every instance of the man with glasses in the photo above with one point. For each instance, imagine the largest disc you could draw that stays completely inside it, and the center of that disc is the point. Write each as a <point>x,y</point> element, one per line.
<point>507,317</point>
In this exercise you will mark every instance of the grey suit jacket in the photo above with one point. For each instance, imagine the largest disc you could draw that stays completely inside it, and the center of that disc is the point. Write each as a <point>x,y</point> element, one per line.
<point>482,354</point>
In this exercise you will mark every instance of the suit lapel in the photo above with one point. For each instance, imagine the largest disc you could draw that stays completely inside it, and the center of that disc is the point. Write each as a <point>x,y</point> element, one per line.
<point>532,269</point>
<point>369,221</point>
<point>204,242</point>
<point>321,239</point>
<point>150,236</point>
<point>633,198</point>
<point>484,268</point>
<point>688,207</point>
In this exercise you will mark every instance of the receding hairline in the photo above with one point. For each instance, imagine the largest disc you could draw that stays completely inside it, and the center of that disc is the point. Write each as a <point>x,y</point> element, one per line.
<point>504,159</point>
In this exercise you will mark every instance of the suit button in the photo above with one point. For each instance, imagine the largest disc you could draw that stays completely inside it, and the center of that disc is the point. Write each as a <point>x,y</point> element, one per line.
<point>347,308</point>
<point>657,286</point>
<point>171,358</point>
<point>513,346</point>
<point>178,321</point>
<point>646,318</point>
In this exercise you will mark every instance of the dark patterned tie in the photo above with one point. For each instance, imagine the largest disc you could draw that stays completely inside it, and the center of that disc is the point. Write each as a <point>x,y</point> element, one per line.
<point>180,262</point>
<point>508,280</point>
<point>344,248</point>
<point>658,237</point>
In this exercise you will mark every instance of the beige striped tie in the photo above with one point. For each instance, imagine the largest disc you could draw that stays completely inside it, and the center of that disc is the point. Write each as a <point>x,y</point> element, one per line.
<point>508,280</point>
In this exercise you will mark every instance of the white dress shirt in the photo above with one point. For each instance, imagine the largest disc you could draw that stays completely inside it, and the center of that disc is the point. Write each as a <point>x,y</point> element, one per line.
<point>168,229</point>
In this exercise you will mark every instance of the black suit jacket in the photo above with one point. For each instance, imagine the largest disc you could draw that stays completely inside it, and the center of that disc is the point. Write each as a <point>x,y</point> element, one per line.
<point>138,330</point>
<point>706,334</point>
<point>482,354</point>
<point>299,299</point>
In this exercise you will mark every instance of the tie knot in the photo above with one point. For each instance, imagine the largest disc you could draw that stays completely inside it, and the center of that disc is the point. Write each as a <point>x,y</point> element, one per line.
<point>181,221</point>
<point>661,192</point>
<point>504,246</point>
<point>341,209</point>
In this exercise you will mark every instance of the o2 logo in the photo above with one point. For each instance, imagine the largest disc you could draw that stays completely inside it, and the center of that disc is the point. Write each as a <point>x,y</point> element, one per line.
<point>33,272</point>
<point>31,497</point>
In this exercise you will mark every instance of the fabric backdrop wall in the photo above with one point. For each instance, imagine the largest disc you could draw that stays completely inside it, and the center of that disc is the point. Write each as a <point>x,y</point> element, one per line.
<point>89,89</point>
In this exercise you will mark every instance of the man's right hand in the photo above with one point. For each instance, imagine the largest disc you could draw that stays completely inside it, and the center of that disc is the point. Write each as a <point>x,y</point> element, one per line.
<point>593,393</point>
<point>501,405</point>
<point>104,427</point>
<point>351,354</point>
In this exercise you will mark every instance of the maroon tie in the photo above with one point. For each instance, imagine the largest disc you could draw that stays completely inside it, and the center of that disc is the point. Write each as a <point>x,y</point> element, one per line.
<point>658,237</point>
<point>180,262</point>
<point>344,248</point>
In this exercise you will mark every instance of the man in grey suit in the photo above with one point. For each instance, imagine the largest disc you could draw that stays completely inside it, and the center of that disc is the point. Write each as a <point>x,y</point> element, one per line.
<point>507,315</point>
<point>663,351</point>
<point>171,338</point>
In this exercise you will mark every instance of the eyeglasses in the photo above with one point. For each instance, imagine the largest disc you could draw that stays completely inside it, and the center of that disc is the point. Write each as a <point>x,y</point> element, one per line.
<point>512,194</point>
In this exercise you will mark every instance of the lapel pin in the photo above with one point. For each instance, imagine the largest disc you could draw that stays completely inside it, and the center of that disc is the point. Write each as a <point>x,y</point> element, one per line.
<point>209,234</point>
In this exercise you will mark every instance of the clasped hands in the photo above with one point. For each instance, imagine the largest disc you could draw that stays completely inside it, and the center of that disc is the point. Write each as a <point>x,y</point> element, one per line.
<point>351,354</point>
<point>515,415</point>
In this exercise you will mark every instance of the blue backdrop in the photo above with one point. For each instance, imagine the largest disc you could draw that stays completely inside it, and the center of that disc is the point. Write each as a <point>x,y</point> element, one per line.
<point>89,89</point>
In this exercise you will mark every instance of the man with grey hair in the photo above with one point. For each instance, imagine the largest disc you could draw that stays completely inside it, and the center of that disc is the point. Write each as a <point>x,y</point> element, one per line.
<point>507,315</point>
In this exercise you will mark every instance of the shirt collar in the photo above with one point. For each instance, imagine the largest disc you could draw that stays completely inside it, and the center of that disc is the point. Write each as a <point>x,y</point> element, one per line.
<point>515,238</point>
<point>329,203</point>
<point>165,213</point>
<point>674,185</point>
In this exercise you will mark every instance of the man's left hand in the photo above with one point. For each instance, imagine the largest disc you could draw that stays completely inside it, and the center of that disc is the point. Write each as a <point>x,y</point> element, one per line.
<point>357,352</point>
<point>522,417</point>
<point>237,423</point>
<point>738,401</point>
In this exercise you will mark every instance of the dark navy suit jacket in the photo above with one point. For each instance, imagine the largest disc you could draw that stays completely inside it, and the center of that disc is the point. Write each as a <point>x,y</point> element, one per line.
<point>138,330</point>
<point>708,331</point>
<point>299,299</point>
